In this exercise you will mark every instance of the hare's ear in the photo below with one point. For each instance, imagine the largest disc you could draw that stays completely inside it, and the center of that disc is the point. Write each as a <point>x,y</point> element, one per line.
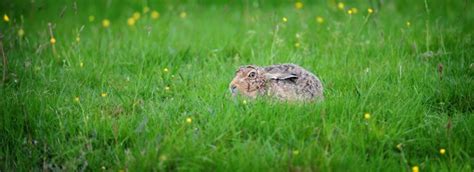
<point>251,66</point>
<point>245,67</point>
<point>280,76</point>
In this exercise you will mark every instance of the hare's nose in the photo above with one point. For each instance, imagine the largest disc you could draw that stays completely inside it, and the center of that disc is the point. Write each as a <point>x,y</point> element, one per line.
<point>233,88</point>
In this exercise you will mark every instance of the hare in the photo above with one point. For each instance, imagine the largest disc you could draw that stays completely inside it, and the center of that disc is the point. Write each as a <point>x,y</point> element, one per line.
<point>288,82</point>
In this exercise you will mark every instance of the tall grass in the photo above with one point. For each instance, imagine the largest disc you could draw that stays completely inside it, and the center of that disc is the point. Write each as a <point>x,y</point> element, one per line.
<point>154,96</point>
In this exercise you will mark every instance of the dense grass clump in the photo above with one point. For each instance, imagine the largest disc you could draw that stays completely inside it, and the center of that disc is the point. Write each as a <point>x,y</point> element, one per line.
<point>143,86</point>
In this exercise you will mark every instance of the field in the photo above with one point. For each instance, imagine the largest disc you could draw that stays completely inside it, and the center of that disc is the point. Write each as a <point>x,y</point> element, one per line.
<point>143,85</point>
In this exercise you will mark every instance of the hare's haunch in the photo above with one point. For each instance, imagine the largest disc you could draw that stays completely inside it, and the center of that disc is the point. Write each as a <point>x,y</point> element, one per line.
<point>283,81</point>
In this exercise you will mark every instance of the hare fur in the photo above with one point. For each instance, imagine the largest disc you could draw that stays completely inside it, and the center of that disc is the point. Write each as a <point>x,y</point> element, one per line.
<point>282,81</point>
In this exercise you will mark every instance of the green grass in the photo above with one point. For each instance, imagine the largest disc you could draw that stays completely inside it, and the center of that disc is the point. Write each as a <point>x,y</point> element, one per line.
<point>368,64</point>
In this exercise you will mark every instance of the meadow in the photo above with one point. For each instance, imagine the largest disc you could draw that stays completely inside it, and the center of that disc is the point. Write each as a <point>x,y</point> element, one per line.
<point>142,85</point>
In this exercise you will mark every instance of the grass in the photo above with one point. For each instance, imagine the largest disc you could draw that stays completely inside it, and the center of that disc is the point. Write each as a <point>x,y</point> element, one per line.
<point>102,103</point>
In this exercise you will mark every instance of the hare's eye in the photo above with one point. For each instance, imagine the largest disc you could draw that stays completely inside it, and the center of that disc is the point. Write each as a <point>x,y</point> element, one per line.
<point>251,74</point>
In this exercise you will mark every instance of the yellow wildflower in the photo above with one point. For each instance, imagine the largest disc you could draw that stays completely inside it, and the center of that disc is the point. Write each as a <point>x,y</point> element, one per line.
<point>319,19</point>
<point>400,146</point>
<point>354,10</point>
<point>91,18</point>
<point>350,12</point>
<point>340,5</point>
<point>136,15</point>
<point>189,120</point>
<point>408,23</point>
<point>6,18</point>
<point>284,19</point>
<point>183,15</point>
<point>103,94</point>
<point>442,151</point>
<point>81,64</point>
<point>367,116</point>
<point>298,5</point>
<point>155,15</point>
<point>52,40</point>
<point>167,88</point>
<point>146,9</point>
<point>106,23</point>
<point>415,169</point>
<point>297,45</point>
<point>296,152</point>
<point>370,10</point>
<point>131,21</point>
<point>21,33</point>
<point>163,158</point>
<point>165,69</point>
<point>77,99</point>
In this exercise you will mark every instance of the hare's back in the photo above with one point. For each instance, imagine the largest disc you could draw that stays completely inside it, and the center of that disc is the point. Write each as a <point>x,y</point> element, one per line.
<point>294,69</point>
<point>305,86</point>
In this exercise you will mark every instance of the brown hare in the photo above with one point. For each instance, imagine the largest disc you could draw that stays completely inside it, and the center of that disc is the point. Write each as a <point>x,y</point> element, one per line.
<point>287,82</point>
